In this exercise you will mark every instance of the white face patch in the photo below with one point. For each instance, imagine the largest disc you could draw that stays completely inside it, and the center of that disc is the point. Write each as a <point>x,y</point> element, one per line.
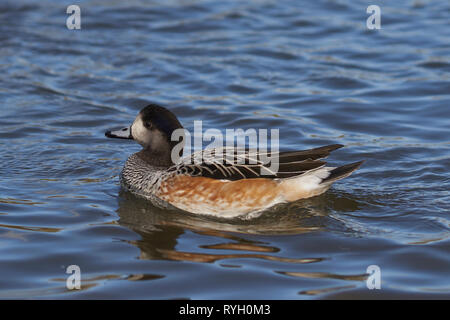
<point>145,137</point>
<point>138,131</point>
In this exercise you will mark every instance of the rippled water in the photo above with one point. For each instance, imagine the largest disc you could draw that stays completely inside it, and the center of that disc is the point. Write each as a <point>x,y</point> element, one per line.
<point>311,69</point>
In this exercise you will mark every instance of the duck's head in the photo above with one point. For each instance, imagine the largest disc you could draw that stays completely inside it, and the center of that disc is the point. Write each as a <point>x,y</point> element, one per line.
<point>152,129</point>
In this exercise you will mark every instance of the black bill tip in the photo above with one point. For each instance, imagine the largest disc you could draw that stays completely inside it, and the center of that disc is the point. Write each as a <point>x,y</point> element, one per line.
<point>124,133</point>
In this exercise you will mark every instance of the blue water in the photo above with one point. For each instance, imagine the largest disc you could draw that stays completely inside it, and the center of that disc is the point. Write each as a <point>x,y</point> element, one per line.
<point>312,69</point>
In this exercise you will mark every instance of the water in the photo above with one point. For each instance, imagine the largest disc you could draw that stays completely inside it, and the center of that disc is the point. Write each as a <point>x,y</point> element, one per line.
<point>311,69</point>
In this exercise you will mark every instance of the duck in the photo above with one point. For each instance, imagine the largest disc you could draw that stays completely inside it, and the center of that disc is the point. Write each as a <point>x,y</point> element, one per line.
<point>209,185</point>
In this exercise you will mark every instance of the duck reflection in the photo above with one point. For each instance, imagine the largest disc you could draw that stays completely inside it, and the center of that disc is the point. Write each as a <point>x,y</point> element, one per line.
<point>160,230</point>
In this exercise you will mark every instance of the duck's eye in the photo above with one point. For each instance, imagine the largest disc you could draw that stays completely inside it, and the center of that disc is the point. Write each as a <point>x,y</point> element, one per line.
<point>148,125</point>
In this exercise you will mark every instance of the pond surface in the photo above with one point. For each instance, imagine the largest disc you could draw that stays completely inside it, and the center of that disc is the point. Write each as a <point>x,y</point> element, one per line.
<point>313,70</point>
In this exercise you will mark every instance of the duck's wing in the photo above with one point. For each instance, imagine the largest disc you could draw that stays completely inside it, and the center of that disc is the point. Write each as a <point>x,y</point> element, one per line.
<point>236,164</point>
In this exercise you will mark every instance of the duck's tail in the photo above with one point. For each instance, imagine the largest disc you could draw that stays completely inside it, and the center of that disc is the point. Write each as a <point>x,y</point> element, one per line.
<point>341,172</point>
<point>315,182</point>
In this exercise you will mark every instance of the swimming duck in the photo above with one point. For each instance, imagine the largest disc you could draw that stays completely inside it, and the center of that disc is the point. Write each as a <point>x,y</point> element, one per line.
<point>219,187</point>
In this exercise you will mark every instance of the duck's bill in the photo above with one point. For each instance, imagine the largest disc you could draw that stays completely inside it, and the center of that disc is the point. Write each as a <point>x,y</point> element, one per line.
<point>124,133</point>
